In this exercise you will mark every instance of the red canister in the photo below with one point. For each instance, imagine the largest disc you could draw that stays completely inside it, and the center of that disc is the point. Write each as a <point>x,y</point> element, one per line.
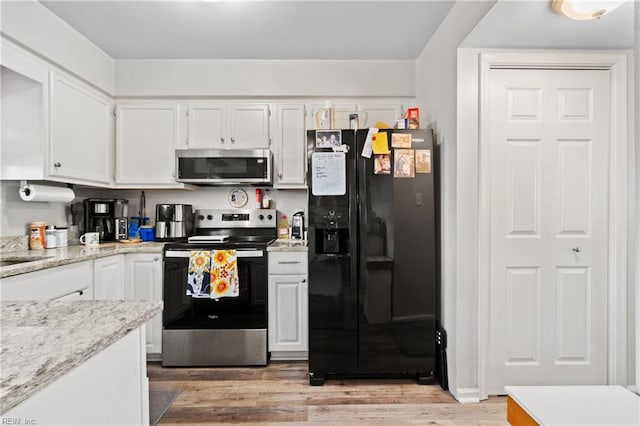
<point>36,236</point>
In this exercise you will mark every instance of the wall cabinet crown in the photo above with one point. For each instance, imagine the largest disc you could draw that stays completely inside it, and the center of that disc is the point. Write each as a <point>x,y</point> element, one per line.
<point>225,126</point>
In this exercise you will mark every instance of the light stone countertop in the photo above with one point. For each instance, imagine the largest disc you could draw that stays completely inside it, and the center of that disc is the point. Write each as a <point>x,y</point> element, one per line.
<point>42,341</point>
<point>50,258</point>
<point>288,245</point>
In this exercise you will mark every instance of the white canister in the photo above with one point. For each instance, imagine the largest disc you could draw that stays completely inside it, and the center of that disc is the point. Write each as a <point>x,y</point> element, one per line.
<point>50,237</point>
<point>62,237</point>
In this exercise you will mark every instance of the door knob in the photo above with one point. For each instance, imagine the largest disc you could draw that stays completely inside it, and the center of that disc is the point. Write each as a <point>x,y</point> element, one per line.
<point>576,249</point>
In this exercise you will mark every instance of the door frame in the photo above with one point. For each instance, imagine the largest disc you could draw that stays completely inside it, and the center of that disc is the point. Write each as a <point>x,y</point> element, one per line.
<point>616,64</point>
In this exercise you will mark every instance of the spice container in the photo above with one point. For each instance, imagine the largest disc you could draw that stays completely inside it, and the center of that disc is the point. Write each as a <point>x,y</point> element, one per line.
<point>50,237</point>
<point>36,236</point>
<point>283,227</point>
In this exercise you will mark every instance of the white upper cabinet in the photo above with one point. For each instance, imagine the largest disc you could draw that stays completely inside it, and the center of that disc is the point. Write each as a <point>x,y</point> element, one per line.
<point>370,114</point>
<point>226,126</point>
<point>81,132</point>
<point>146,138</point>
<point>289,146</point>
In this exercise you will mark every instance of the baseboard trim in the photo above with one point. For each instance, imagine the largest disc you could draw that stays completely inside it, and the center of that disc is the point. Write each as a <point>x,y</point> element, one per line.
<point>467,395</point>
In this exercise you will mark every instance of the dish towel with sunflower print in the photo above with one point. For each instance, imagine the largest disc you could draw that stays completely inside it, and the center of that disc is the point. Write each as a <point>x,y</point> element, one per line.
<point>224,274</point>
<point>198,275</point>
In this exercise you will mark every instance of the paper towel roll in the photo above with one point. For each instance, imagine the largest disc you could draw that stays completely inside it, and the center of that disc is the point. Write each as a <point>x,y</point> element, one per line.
<point>46,193</point>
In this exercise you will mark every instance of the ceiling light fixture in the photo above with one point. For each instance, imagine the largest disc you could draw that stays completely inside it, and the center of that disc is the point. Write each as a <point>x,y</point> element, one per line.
<point>582,10</point>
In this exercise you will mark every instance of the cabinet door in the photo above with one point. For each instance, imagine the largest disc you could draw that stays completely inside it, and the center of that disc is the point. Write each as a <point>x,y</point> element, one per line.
<point>143,278</point>
<point>81,144</point>
<point>290,146</point>
<point>340,119</point>
<point>370,114</point>
<point>249,126</point>
<point>207,126</point>
<point>108,278</point>
<point>146,138</point>
<point>288,313</point>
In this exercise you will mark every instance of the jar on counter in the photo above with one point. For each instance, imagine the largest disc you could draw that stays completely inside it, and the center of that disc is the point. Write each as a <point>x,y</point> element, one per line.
<point>51,240</point>
<point>36,236</point>
<point>62,237</point>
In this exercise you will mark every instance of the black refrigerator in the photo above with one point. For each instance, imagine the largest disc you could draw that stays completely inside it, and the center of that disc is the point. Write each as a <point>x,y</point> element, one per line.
<point>373,286</point>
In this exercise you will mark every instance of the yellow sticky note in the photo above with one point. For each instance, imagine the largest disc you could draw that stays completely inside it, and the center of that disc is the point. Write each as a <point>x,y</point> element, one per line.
<point>380,143</point>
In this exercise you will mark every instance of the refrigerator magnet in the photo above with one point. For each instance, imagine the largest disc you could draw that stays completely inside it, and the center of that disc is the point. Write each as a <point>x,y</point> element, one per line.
<point>423,161</point>
<point>328,138</point>
<point>401,140</point>
<point>403,163</point>
<point>381,164</point>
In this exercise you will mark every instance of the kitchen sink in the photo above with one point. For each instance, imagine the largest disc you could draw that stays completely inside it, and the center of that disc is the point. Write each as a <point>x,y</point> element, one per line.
<point>18,260</point>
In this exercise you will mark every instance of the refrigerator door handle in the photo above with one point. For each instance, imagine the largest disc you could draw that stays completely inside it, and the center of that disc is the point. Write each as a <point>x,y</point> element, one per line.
<point>335,256</point>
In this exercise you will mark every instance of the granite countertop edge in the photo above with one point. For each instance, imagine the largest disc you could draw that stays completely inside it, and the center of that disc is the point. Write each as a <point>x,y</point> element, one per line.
<point>72,254</point>
<point>46,374</point>
<point>288,245</point>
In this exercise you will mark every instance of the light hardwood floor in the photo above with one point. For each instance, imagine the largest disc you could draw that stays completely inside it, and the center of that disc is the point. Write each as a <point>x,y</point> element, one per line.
<point>280,394</point>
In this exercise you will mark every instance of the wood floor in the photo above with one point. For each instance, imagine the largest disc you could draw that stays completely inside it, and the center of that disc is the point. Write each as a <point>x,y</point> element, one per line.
<point>280,394</point>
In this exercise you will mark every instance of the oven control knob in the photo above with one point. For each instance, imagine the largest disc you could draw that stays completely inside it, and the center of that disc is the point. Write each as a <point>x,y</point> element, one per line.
<point>209,217</point>
<point>201,217</point>
<point>261,217</point>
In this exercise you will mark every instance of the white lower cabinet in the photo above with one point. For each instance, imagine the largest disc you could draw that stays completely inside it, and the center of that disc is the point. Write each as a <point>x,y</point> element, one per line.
<point>288,306</point>
<point>108,278</point>
<point>143,281</point>
<point>72,281</point>
<point>110,388</point>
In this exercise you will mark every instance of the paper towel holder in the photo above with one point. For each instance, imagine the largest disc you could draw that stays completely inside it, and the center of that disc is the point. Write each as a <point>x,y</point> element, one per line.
<point>34,192</point>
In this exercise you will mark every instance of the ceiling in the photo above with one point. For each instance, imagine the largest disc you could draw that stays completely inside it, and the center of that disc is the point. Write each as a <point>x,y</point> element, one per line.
<point>293,29</point>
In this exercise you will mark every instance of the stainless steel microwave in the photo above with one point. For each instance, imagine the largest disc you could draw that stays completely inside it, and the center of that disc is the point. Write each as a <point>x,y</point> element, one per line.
<point>224,167</point>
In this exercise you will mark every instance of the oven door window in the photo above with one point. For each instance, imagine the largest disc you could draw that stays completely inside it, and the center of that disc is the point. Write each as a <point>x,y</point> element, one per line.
<point>247,311</point>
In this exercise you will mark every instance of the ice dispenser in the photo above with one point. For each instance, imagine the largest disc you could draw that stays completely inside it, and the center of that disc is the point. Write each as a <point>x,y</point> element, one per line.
<point>332,233</point>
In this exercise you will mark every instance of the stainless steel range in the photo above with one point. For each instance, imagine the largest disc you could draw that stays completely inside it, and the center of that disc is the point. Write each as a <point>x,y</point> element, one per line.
<point>224,331</point>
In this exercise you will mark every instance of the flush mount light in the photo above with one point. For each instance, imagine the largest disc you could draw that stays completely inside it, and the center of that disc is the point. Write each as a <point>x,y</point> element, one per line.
<point>582,10</point>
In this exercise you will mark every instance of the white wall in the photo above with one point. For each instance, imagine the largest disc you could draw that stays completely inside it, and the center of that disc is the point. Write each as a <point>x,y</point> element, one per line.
<point>467,254</point>
<point>285,201</point>
<point>635,260</point>
<point>436,86</point>
<point>34,26</point>
<point>256,78</point>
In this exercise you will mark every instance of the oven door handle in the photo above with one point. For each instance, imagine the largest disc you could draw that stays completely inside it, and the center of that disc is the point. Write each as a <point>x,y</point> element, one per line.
<point>239,253</point>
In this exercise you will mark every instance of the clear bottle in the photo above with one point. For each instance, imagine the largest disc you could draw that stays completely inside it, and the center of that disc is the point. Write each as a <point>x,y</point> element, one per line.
<point>283,227</point>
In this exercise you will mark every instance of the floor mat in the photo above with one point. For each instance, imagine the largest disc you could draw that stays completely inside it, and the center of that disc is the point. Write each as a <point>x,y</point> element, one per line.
<point>159,401</point>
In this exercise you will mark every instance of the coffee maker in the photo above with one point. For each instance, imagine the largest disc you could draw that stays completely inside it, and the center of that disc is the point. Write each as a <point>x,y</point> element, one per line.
<point>107,217</point>
<point>173,222</point>
<point>297,226</point>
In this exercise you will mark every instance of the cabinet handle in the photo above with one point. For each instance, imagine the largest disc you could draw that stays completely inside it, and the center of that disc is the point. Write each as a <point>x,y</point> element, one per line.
<point>233,140</point>
<point>155,259</point>
<point>280,175</point>
<point>222,140</point>
<point>57,164</point>
<point>303,280</point>
<point>289,262</point>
